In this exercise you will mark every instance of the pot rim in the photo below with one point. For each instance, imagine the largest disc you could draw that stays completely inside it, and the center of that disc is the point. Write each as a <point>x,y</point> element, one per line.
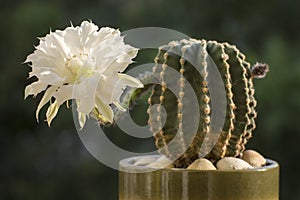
<point>127,165</point>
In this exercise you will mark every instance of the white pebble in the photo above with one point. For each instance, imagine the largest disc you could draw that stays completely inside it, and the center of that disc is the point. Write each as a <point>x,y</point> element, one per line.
<point>229,163</point>
<point>142,161</point>
<point>161,162</point>
<point>202,164</point>
<point>254,158</point>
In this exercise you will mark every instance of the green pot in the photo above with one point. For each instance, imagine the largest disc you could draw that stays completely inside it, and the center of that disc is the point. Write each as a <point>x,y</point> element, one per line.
<point>143,183</point>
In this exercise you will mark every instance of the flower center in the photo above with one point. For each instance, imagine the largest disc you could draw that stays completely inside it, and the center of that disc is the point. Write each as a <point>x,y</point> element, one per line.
<point>80,66</point>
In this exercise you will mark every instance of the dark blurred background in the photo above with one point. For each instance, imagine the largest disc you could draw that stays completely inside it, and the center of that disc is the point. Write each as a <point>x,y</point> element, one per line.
<point>38,162</point>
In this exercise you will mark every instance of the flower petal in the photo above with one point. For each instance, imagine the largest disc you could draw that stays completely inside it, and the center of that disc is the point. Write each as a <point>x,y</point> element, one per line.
<point>81,119</point>
<point>63,94</point>
<point>59,43</point>
<point>105,110</point>
<point>48,75</point>
<point>130,81</point>
<point>111,88</point>
<point>85,93</point>
<point>51,112</point>
<point>107,87</point>
<point>85,30</point>
<point>34,88</point>
<point>47,96</point>
<point>119,106</point>
<point>72,40</point>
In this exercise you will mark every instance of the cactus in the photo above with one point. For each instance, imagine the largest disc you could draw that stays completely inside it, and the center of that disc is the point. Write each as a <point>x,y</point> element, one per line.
<point>236,75</point>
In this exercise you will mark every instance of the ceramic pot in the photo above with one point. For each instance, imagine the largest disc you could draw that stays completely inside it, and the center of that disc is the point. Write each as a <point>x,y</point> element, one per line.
<point>143,183</point>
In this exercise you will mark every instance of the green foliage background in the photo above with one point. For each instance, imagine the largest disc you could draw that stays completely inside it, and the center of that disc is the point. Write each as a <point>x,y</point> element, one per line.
<point>38,162</point>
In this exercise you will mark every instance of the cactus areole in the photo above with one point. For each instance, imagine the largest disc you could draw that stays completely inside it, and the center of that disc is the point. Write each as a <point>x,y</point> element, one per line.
<point>237,77</point>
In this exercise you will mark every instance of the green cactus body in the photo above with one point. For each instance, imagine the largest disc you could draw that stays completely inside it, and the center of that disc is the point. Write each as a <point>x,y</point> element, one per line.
<point>240,113</point>
<point>172,93</point>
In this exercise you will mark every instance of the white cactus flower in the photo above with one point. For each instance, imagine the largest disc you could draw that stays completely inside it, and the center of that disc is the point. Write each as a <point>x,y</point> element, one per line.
<point>83,63</point>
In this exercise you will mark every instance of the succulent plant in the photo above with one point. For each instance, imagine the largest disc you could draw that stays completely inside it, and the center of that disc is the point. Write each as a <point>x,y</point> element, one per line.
<point>236,76</point>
